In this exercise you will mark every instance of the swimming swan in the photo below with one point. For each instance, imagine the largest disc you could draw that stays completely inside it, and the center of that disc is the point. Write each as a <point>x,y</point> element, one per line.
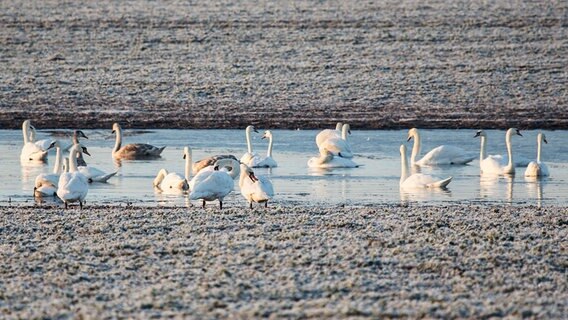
<point>171,182</point>
<point>134,150</point>
<point>327,160</point>
<point>339,145</point>
<point>538,168</point>
<point>250,158</point>
<point>212,183</point>
<point>255,189</point>
<point>31,151</point>
<point>73,186</point>
<point>417,180</point>
<point>490,164</point>
<point>328,133</point>
<point>268,161</point>
<point>45,184</point>
<point>440,155</point>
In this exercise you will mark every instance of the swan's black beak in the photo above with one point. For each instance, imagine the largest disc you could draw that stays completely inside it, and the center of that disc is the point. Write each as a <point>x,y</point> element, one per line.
<point>349,131</point>
<point>85,151</point>
<point>51,145</point>
<point>519,133</point>
<point>81,134</point>
<point>255,130</point>
<point>477,134</point>
<point>184,157</point>
<point>545,141</point>
<point>113,131</point>
<point>263,137</point>
<point>408,138</point>
<point>253,177</point>
<point>216,168</point>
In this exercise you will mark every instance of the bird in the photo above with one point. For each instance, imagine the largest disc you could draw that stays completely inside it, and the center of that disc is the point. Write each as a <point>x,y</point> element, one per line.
<point>73,186</point>
<point>172,182</point>
<point>209,161</point>
<point>255,189</point>
<point>417,180</point>
<point>328,160</point>
<point>538,168</point>
<point>490,164</point>
<point>268,161</point>
<point>250,158</point>
<point>31,151</point>
<point>75,140</point>
<point>328,133</point>
<point>45,184</point>
<point>212,183</point>
<point>441,155</point>
<point>133,151</point>
<point>338,145</point>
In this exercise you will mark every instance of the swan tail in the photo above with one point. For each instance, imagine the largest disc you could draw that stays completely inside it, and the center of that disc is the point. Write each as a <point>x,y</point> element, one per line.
<point>103,178</point>
<point>440,184</point>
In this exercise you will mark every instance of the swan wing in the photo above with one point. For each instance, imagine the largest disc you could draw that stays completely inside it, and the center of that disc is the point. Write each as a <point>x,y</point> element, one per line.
<point>327,134</point>
<point>139,150</point>
<point>492,165</point>
<point>31,152</point>
<point>251,159</point>
<point>445,154</point>
<point>215,185</point>
<point>536,169</point>
<point>73,187</point>
<point>46,179</point>
<point>338,146</point>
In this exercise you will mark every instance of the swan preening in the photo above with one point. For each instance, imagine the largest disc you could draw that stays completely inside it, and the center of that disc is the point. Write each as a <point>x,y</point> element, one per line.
<point>538,168</point>
<point>132,151</point>
<point>440,155</point>
<point>255,189</point>
<point>327,160</point>
<point>490,164</point>
<point>171,182</point>
<point>417,180</point>
<point>73,186</point>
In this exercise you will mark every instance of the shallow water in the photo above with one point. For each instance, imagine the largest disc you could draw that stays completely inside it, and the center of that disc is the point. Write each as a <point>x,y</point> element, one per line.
<point>376,182</point>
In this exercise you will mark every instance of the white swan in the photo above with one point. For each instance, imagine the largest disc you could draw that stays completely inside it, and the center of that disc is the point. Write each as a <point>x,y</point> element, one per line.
<point>327,160</point>
<point>93,174</point>
<point>538,168</point>
<point>440,155</point>
<point>45,184</point>
<point>489,164</point>
<point>268,161</point>
<point>212,183</point>
<point>519,161</point>
<point>204,163</point>
<point>338,145</point>
<point>250,158</point>
<point>255,189</point>
<point>172,182</point>
<point>417,180</point>
<point>75,140</point>
<point>134,150</point>
<point>31,151</point>
<point>328,133</point>
<point>73,185</point>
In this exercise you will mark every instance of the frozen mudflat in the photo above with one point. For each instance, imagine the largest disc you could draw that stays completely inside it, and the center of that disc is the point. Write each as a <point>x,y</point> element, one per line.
<point>463,261</point>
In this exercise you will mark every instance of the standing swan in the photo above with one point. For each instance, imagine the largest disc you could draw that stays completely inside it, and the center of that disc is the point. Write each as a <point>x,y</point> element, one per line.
<point>328,133</point>
<point>339,145</point>
<point>417,180</point>
<point>133,151</point>
<point>46,184</point>
<point>440,155</point>
<point>73,185</point>
<point>253,188</point>
<point>250,158</point>
<point>212,183</point>
<point>268,161</point>
<point>538,168</point>
<point>493,164</point>
<point>173,182</point>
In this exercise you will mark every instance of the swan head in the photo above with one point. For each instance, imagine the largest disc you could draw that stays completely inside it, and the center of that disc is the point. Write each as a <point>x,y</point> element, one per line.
<point>412,133</point>
<point>251,128</point>
<point>542,138</point>
<point>512,131</point>
<point>79,134</point>
<point>186,152</point>
<point>54,144</point>
<point>115,127</point>
<point>267,134</point>
<point>246,170</point>
<point>346,128</point>
<point>85,151</point>
<point>339,126</point>
<point>480,133</point>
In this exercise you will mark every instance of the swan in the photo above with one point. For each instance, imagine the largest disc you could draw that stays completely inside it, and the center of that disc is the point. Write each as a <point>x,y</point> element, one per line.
<point>253,188</point>
<point>250,158</point>
<point>204,163</point>
<point>268,161</point>
<point>328,133</point>
<point>30,151</point>
<point>519,161</point>
<point>134,150</point>
<point>76,135</point>
<point>93,174</point>
<point>171,182</point>
<point>440,155</point>
<point>45,184</point>
<point>417,180</point>
<point>212,183</point>
<point>538,168</point>
<point>490,164</point>
<point>327,160</point>
<point>339,145</point>
<point>73,186</point>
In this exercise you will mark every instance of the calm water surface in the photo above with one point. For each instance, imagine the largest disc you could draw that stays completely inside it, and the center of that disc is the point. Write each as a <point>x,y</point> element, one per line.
<point>376,182</point>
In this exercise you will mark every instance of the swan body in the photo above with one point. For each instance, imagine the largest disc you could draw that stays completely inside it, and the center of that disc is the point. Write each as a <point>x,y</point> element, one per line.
<point>212,183</point>
<point>418,180</point>
<point>329,133</point>
<point>73,186</point>
<point>133,151</point>
<point>95,175</point>
<point>268,161</point>
<point>327,160</point>
<point>45,184</point>
<point>253,188</point>
<point>31,151</point>
<point>441,155</point>
<point>210,161</point>
<point>538,168</point>
<point>171,182</point>
<point>490,164</point>
<point>45,144</point>
<point>250,158</point>
<point>338,145</point>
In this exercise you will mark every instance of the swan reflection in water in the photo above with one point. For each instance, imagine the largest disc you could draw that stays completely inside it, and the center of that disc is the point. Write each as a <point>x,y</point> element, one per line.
<point>425,194</point>
<point>489,186</point>
<point>534,186</point>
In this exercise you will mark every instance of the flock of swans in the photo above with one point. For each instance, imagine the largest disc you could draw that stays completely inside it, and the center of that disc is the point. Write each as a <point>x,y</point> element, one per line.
<point>212,178</point>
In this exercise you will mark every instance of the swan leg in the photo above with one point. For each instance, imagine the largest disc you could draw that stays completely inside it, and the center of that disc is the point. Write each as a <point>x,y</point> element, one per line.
<point>65,204</point>
<point>250,205</point>
<point>266,204</point>
<point>203,204</point>
<point>220,204</point>
<point>81,205</point>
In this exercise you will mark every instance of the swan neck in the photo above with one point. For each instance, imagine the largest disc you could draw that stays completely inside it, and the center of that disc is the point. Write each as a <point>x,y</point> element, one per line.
<point>249,145</point>
<point>538,149</point>
<point>188,162</point>
<point>510,165</point>
<point>26,132</point>
<point>73,160</point>
<point>242,177</point>
<point>344,133</point>
<point>403,167</point>
<point>57,165</point>
<point>118,140</point>
<point>269,151</point>
<point>415,148</point>
<point>483,152</point>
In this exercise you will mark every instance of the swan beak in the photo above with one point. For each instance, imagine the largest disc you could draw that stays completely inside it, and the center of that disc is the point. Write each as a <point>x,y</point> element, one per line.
<point>408,138</point>
<point>113,132</point>
<point>216,168</point>
<point>263,137</point>
<point>519,133</point>
<point>252,177</point>
<point>85,151</point>
<point>51,145</point>
<point>184,157</point>
<point>545,141</point>
<point>255,130</point>
<point>477,134</point>
<point>349,131</point>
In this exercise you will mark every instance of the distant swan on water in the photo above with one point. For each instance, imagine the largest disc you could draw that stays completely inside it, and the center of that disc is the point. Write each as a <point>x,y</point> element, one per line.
<point>440,155</point>
<point>490,164</point>
<point>417,180</point>
<point>172,182</point>
<point>134,150</point>
<point>538,168</point>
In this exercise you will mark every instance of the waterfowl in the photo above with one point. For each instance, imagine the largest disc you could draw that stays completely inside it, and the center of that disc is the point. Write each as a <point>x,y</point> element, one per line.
<point>45,184</point>
<point>327,160</point>
<point>212,183</point>
<point>172,182</point>
<point>268,161</point>
<point>329,133</point>
<point>255,189</point>
<point>73,186</point>
<point>250,158</point>
<point>490,164</point>
<point>417,180</point>
<point>538,168</point>
<point>338,145</point>
<point>134,150</point>
<point>31,151</point>
<point>441,155</point>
